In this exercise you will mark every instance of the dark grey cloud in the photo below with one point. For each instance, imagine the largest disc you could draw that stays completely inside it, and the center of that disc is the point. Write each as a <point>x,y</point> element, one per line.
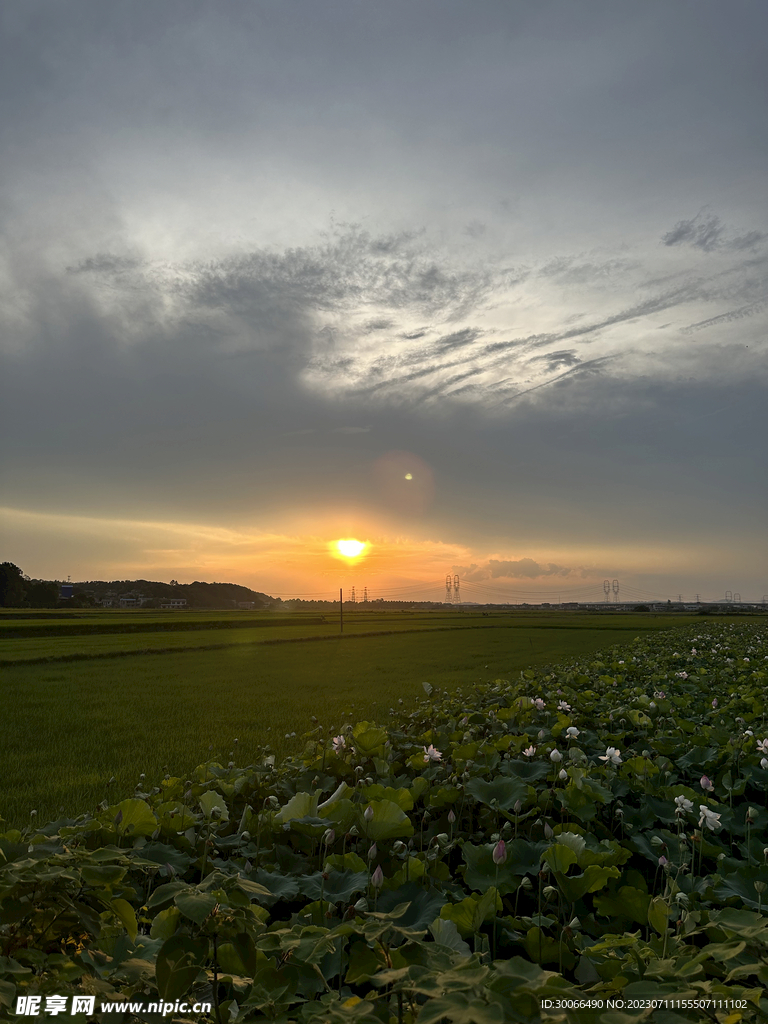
<point>707,232</point>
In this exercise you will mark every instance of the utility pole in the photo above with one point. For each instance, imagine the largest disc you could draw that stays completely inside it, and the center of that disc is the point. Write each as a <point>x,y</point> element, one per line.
<point>341,612</point>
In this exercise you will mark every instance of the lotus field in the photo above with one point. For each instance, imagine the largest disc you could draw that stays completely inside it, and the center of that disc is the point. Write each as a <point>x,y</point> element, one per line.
<point>582,843</point>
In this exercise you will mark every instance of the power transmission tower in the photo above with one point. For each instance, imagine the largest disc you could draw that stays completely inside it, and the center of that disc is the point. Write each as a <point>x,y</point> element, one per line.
<point>365,595</point>
<point>615,589</point>
<point>456,592</point>
<point>448,589</point>
<point>607,590</point>
<point>352,598</point>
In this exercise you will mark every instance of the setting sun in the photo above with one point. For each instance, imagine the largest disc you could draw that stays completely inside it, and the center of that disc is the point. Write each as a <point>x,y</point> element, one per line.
<point>350,548</point>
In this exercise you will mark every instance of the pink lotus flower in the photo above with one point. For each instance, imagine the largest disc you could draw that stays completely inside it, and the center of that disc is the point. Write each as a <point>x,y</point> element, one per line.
<point>499,852</point>
<point>529,751</point>
<point>338,744</point>
<point>432,754</point>
<point>706,783</point>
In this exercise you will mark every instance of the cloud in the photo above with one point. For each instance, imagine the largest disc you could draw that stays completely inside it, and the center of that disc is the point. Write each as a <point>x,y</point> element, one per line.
<point>522,568</point>
<point>701,232</point>
<point>707,232</point>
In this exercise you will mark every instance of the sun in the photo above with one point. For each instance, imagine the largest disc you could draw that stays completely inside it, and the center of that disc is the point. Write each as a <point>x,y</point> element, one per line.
<point>350,548</point>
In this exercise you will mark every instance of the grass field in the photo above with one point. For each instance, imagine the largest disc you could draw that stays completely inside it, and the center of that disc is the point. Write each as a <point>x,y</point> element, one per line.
<point>71,725</point>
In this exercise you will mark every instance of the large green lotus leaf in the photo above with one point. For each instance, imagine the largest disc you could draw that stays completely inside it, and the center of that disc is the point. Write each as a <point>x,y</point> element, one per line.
<point>102,874</point>
<point>501,792</point>
<point>136,818</point>
<point>389,821</point>
<point>628,902</point>
<point>658,915</point>
<point>311,826</point>
<point>369,739</point>
<point>424,904</point>
<point>364,962</point>
<point>528,771</point>
<point>345,862</point>
<point>471,913</point>
<point>302,805</point>
<point>162,853</point>
<point>402,797</point>
<point>461,1008</point>
<point>445,796</point>
<point>211,801</point>
<point>281,887</point>
<point>127,916</point>
<point>542,948</point>
<point>179,961</point>
<point>341,813</point>
<point>480,871</point>
<point>197,906</point>
<point>741,922</point>
<point>741,883</point>
<point>446,933</point>
<point>164,925</point>
<point>339,886</point>
<point>560,857</point>
<point>594,877</point>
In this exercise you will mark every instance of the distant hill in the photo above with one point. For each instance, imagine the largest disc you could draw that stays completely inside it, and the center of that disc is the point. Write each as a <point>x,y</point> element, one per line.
<point>149,593</point>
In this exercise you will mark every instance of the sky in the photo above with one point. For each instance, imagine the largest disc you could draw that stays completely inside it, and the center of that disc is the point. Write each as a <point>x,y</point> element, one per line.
<point>481,285</point>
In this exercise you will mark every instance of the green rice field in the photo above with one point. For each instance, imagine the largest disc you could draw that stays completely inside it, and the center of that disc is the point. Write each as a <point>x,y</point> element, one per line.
<point>93,697</point>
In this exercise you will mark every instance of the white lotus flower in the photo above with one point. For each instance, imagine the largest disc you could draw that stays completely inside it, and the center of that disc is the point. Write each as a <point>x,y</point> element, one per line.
<point>611,756</point>
<point>432,754</point>
<point>709,818</point>
<point>683,804</point>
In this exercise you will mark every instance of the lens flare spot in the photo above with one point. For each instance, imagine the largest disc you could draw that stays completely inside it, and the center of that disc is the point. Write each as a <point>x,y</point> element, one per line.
<point>409,476</point>
<point>350,548</point>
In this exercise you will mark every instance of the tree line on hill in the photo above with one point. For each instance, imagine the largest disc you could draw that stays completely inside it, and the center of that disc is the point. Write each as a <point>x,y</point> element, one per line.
<point>19,591</point>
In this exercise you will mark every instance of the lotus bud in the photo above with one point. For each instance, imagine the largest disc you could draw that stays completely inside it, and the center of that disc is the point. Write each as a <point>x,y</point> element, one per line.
<point>518,806</point>
<point>451,817</point>
<point>372,852</point>
<point>556,756</point>
<point>500,852</point>
<point>563,775</point>
<point>663,862</point>
<point>354,832</point>
<point>760,887</point>
<point>542,734</point>
<point>377,878</point>
<point>751,816</point>
<point>399,847</point>
<point>548,833</point>
<point>442,839</point>
<point>329,837</point>
<point>368,813</point>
